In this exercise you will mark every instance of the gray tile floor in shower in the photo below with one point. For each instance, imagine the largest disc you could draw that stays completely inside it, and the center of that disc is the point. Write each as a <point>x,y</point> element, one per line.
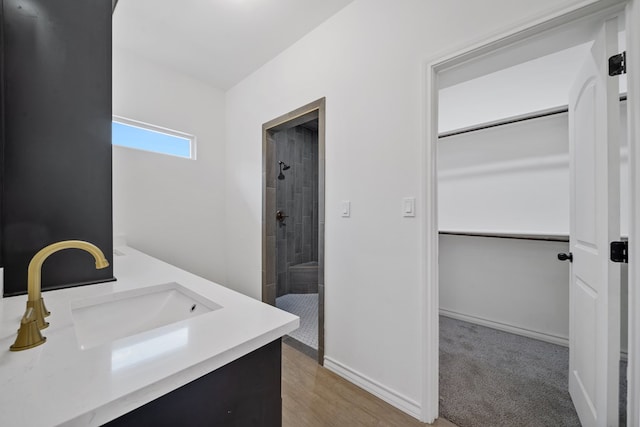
<point>306,307</point>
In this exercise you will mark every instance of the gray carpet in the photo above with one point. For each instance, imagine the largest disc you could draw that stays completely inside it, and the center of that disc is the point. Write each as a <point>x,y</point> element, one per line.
<point>493,378</point>
<point>304,306</point>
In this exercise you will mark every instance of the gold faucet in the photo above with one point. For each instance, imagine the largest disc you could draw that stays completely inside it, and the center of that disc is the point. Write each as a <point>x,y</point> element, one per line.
<point>32,321</point>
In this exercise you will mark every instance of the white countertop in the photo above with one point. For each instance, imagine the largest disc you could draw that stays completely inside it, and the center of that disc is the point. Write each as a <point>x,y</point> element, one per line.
<point>57,383</point>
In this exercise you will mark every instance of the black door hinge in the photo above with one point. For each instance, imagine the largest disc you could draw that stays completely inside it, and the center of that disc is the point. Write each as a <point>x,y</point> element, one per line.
<point>618,64</point>
<point>619,252</point>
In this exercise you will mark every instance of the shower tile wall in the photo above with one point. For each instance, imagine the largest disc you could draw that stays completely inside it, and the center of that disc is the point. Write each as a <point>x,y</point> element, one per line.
<point>297,197</point>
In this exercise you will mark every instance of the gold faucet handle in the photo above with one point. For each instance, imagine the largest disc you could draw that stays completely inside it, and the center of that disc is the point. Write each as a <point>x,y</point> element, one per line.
<point>29,335</point>
<point>27,316</point>
<point>39,312</point>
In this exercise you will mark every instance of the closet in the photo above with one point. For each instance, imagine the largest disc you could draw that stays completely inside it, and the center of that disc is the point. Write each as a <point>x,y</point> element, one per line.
<point>503,204</point>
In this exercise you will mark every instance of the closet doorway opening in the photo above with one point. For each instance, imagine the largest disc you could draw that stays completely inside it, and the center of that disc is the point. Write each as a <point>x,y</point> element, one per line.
<point>500,243</point>
<point>293,175</point>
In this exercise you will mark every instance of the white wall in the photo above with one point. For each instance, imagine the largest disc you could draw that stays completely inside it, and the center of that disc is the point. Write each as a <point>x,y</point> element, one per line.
<point>512,284</point>
<point>512,179</point>
<point>532,86</point>
<point>169,207</point>
<point>367,61</point>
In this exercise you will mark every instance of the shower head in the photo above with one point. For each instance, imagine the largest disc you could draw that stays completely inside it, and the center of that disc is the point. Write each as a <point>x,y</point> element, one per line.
<point>284,166</point>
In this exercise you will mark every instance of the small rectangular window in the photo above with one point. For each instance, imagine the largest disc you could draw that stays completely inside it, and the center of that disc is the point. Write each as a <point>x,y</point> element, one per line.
<point>143,136</point>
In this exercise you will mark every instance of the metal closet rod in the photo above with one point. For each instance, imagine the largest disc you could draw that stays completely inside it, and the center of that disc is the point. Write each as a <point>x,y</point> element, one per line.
<point>516,236</point>
<point>515,119</point>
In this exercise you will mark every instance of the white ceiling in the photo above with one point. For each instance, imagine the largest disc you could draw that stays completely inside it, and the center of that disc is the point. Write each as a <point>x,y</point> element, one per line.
<point>216,41</point>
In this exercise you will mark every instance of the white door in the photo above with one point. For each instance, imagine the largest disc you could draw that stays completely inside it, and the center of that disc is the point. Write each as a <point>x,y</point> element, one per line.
<point>594,349</point>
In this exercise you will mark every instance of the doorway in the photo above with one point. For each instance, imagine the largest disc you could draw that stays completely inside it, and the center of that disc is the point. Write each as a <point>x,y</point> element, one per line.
<point>504,295</point>
<point>490,56</point>
<point>293,221</point>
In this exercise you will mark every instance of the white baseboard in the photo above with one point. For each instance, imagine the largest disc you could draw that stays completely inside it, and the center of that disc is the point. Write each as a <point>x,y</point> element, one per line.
<point>553,339</point>
<point>394,398</point>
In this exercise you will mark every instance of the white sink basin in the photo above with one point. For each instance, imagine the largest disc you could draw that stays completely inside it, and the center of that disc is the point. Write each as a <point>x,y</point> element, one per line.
<point>106,318</point>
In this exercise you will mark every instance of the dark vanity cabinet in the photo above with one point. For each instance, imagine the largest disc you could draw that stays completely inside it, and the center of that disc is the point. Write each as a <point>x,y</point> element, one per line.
<point>56,138</point>
<point>244,393</point>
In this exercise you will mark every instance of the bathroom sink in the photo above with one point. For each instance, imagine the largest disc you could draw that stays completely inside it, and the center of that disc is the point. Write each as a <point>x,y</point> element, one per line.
<point>106,318</point>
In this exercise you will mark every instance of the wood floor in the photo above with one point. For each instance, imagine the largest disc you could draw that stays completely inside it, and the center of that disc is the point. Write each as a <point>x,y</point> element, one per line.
<point>313,396</point>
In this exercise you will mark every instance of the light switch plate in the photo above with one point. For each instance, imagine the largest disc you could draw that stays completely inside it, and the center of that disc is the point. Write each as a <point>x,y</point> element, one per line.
<point>409,207</point>
<point>345,208</point>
